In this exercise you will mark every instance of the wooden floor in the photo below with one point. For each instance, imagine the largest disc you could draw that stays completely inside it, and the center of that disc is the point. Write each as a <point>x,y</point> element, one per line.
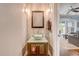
<point>70,52</point>
<point>68,49</point>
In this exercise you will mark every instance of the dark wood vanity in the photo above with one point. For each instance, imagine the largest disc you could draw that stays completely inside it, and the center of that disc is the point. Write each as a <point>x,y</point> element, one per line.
<point>37,47</point>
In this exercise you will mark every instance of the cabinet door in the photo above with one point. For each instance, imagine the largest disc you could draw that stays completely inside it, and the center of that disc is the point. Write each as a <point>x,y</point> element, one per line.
<point>37,49</point>
<point>33,49</point>
<point>41,49</point>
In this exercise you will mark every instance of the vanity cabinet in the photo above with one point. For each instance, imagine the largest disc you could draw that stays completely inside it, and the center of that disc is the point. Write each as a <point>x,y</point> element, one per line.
<point>37,49</point>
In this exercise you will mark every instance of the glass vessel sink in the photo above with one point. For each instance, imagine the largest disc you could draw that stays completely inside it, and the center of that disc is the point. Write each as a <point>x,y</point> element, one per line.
<point>37,36</point>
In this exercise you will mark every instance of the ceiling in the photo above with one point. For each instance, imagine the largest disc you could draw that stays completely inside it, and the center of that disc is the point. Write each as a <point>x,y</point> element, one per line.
<point>63,9</point>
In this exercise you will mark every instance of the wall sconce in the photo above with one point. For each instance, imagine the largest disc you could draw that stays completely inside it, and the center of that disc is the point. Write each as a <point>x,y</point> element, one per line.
<point>26,11</point>
<point>24,8</point>
<point>47,11</point>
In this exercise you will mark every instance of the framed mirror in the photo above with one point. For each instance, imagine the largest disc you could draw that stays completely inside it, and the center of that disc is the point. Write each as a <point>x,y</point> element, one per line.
<point>37,19</point>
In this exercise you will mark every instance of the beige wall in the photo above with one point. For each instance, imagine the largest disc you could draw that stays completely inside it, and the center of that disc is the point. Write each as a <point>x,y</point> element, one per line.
<point>12,29</point>
<point>55,29</point>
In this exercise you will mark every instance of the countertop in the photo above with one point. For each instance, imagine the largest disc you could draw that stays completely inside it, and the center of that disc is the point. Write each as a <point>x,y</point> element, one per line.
<point>32,40</point>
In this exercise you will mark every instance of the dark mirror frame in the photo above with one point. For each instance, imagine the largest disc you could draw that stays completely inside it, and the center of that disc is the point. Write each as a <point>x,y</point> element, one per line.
<point>40,19</point>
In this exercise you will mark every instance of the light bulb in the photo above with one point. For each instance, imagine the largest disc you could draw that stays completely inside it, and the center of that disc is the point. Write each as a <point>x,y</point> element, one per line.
<point>26,10</point>
<point>23,10</point>
<point>48,10</point>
